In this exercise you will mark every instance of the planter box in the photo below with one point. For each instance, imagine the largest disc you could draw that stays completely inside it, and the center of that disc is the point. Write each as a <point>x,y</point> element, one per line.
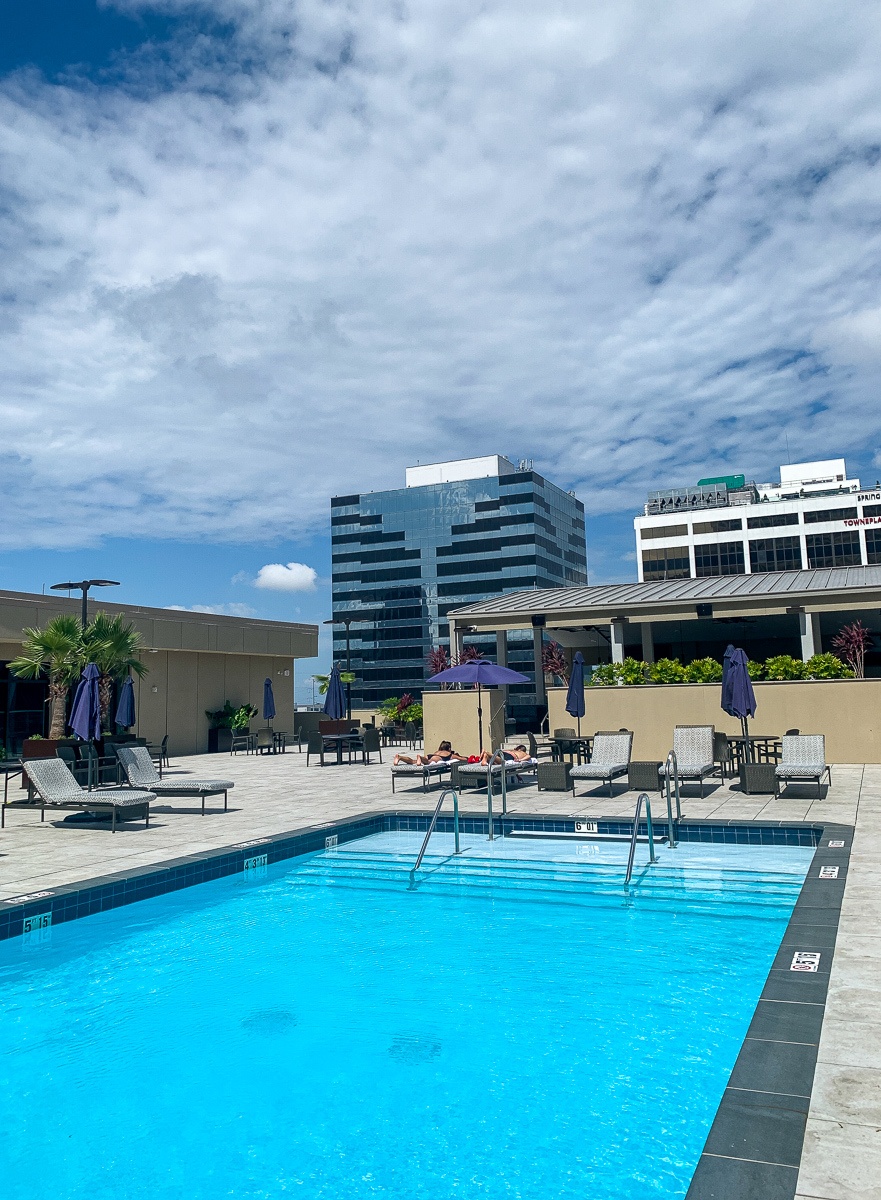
<point>40,747</point>
<point>219,741</point>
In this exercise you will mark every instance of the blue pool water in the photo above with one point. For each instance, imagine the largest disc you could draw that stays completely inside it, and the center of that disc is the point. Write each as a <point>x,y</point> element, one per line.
<point>511,1029</point>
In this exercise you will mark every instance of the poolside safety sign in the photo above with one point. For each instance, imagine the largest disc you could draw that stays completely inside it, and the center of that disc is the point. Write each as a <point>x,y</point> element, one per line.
<point>828,872</point>
<point>37,929</point>
<point>804,961</point>
<point>331,842</point>
<point>255,868</point>
<point>26,898</point>
<point>835,845</point>
<point>585,826</point>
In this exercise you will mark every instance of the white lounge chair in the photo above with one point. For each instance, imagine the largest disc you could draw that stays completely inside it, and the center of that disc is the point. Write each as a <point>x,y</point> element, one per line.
<point>477,771</point>
<point>610,758</point>
<point>56,787</point>
<point>694,747</point>
<point>426,771</point>
<point>141,773</point>
<point>804,757</point>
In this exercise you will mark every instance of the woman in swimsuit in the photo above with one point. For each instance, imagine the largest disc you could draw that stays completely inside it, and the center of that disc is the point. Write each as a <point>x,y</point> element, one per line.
<point>444,753</point>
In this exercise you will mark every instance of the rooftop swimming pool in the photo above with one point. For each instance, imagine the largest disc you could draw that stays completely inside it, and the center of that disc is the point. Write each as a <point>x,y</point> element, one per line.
<point>516,1027</point>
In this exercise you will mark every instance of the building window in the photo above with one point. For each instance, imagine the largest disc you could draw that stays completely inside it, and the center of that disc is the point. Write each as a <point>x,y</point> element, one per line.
<point>775,554</point>
<point>872,510</point>
<point>716,526</point>
<point>659,531</point>
<point>772,520</point>
<point>723,558</point>
<point>669,563</point>
<point>830,514</point>
<point>834,549</point>
<point>873,545</point>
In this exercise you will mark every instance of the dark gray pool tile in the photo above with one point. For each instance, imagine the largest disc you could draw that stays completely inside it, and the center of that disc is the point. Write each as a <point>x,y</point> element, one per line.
<point>779,1067</point>
<point>820,914</point>
<point>793,985</point>
<point>732,1179</point>
<point>758,1127</point>
<point>775,1022</point>
<point>803,936</point>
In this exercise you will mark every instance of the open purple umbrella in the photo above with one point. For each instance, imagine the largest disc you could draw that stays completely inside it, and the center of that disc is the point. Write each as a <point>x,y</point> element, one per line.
<point>575,695</point>
<point>85,716</point>
<point>125,709</point>
<point>335,700</point>
<point>484,674</point>
<point>738,697</point>
<point>268,701</point>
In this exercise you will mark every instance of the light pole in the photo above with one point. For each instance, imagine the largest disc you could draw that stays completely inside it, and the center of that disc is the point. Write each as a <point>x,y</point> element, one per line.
<point>347,621</point>
<point>83,586</point>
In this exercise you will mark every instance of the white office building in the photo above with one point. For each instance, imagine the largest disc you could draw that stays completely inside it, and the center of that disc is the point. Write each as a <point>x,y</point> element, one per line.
<point>814,517</point>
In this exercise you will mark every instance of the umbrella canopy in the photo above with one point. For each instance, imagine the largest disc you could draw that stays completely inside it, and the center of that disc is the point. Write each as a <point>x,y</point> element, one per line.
<point>738,697</point>
<point>484,674</point>
<point>85,717</point>
<point>125,709</point>
<point>481,672</point>
<point>575,695</point>
<point>268,700</point>
<point>335,700</point>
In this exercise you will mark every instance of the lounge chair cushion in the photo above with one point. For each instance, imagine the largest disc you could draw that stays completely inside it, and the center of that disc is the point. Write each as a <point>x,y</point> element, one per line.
<point>804,756</point>
<point>420,769</point>
<point>141,772</point>
<point>526,764</point>
<point>692,770</point>
<point>799,770</point>
<point>593,770</point>
<point>55,784</point>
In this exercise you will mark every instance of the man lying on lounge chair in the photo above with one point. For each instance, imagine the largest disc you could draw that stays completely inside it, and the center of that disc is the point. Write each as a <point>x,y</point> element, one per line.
<point>518,754</point>
<point>444,753</point>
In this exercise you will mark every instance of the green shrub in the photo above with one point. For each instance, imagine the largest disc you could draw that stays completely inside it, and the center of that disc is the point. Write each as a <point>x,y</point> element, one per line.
<point>631,671</point>
<point>667,670</point>
<point>604,675</point>
<point>827,666</point>
<point>756,670</point>
<point>704,670</point>
<point>784,666</point>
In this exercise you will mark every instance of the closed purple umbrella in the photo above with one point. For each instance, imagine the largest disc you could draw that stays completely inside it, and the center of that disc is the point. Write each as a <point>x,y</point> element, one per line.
<point>85,716</point>
<point>268,701</point>
<point>575,695</point>
<point>738,697</point>
<point>125,709</point>
<point>335,700</point>
<point>484,674</point>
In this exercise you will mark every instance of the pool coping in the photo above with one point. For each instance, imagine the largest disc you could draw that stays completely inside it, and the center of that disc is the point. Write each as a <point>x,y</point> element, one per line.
<point>755,1141</point>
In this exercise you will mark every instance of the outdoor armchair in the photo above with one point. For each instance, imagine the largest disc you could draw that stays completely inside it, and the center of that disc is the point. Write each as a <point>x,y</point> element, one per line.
<point>804,757</point>
<point>609,760</point>
<point>694,747</point>
<point>141,773</point>
<point>56,787</point>
<point>265,742</point>
<point>371,743</point>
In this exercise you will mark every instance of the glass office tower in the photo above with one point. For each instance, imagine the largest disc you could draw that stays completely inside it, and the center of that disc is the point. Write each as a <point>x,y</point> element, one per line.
<point>457,533</point>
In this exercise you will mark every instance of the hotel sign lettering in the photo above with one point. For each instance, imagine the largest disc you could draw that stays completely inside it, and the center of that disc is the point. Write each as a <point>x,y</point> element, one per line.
<point>866,496</point>
<point>863,521</point>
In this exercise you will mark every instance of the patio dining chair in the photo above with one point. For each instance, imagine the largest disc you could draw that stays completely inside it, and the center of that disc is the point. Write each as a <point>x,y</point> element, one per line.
<point>56,787</point>
<point>536,751</point>
<point>804,757</point>
<point>609,760</point>
<point>265,743</point>
<point>371,743</point>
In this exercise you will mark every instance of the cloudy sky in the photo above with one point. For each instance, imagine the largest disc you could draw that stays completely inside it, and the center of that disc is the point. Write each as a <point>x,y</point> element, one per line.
<point>255,252</point>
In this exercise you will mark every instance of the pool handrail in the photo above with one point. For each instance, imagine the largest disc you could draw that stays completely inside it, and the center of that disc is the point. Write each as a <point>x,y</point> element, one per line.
<point>671,824</point>
<point>446,792</point>
<point>500,755</point>
<point>648,817</point>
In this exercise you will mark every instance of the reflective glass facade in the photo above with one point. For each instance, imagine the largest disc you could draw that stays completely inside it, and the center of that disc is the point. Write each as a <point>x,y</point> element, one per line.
<point>403,559</point>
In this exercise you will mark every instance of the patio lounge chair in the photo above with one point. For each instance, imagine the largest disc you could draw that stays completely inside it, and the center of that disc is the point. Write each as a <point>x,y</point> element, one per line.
<point>694,747</point>
<point>141,773</point>
<point>426,771</point>
<point>610,758</point>
<point>56,787</point>
<point>466,772</point>
<point>804,757</point>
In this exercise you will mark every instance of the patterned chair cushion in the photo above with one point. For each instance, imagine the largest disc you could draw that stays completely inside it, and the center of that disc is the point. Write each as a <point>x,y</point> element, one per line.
<point>417,769</point>
<point>795,771</point>
<point>526,764</point>
<point>140,771</point>
<point>56,785</point>
<point>806,751</point>
<point>610,750</point>
<point>693,747</point>
<point>594,770</point>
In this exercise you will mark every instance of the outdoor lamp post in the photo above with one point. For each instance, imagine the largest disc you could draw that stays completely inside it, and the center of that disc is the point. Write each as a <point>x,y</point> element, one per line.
<point>347,621</point>
<point>83,586</point>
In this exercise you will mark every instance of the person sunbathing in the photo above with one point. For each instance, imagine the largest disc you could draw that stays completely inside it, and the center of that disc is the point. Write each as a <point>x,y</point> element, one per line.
<point>518,754</point>
<point>444,753</point>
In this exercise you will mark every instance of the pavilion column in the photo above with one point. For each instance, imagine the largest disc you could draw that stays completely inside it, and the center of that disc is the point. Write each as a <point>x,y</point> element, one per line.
<point>617,639</point>
<point>537,648</point>
<point>457,641</point>
<point>648,644</point>
<point>502,647</point>
<point>809,632</point>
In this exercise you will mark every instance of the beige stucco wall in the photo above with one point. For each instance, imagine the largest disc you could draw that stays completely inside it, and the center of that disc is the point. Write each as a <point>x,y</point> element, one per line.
<point>196,661</point>
<point>847,711</point>
<point>452,717</point>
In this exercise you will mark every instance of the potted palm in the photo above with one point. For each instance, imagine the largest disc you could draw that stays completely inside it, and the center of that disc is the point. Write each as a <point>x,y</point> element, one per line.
<point>113,645</point>
<point>56,653</point>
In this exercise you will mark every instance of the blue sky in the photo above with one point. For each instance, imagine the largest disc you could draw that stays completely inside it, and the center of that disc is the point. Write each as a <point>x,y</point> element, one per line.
<point>256,252</point>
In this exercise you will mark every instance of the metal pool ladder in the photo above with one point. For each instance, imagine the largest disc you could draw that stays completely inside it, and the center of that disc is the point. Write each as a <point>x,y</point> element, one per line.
<point>503,776</point>
<point>671,824</point>
<point>648,817</point>
<point>446,792</point>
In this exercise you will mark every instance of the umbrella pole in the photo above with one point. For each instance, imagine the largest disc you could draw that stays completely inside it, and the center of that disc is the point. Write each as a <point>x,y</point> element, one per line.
<point>747,748</point>
<point>479,718</point>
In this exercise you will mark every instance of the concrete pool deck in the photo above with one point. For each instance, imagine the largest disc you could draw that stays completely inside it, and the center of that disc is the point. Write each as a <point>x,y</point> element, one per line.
<point>278,794</point>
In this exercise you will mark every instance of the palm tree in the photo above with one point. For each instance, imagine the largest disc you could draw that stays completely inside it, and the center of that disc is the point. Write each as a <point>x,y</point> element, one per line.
<point>113,645</point>
<point>323,681</point>
<point>56,651</point>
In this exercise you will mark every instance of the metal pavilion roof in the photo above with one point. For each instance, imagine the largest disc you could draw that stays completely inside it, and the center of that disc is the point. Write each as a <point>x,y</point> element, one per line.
<point>857,583</point>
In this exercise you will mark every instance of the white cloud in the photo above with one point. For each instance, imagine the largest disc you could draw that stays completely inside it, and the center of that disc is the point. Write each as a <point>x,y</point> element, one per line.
<point>613,237</point>
<point>223,610</point>
<point>295,577</point>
